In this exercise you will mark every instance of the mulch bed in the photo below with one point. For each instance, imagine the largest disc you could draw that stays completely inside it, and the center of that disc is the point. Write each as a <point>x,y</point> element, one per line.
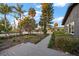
<point>8,42</point>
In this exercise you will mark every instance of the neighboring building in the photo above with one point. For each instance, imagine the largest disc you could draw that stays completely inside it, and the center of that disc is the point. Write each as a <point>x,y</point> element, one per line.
<point>16,23</point>
<point>38,28</point>
<point>55,26</point>
<point>71,19</point>
<point>49,28</point>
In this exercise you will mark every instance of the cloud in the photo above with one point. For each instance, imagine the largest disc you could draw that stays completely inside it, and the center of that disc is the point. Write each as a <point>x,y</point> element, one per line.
<point>38,12</point>
<point>60,4</point>
<point>38,6</point>
<point>58,20</point>
<point>37,17</point>
<point>26,13</point>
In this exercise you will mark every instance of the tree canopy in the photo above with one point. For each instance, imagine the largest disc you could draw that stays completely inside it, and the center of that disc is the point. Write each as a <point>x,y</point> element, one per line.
<point>32,12</point>
<point>27,24</point>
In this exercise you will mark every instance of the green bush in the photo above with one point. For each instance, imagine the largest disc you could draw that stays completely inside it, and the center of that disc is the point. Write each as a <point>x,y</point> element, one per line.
<point>51,44</point>
<point>63,41</point>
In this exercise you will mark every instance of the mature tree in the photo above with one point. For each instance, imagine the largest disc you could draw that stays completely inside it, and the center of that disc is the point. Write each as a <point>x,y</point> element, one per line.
<point>5,10</point>
<point>19,10</point>
<point>56,26</point>
<point>47,15</point>
<point>32,12</point>
<point>28,24</point>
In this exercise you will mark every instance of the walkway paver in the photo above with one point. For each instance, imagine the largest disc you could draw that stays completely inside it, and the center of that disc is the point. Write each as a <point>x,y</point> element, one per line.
<point>30,49</point>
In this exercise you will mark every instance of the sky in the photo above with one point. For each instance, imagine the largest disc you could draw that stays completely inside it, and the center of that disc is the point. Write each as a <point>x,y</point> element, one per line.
<point>59,11</point>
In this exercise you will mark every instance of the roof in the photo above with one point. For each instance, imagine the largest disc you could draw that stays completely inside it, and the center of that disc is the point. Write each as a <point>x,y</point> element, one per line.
<point>69,10</point>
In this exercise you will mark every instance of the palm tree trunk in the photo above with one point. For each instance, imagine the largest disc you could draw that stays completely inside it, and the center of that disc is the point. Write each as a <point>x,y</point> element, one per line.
<point>5,22</point>
<point>20,26</point>
<point>6,26</point>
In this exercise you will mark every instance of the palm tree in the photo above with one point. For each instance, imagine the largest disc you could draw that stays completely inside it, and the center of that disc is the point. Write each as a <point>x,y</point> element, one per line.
<point>5,10</point>
<point>32,12</point>
<point>19,10</point>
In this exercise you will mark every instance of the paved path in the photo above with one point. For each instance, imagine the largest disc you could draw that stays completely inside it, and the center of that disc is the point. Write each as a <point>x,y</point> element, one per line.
<point>44,42</point>
<point>30,49</point>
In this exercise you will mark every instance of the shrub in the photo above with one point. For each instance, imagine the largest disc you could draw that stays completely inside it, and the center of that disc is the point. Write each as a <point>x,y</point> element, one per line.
<point>50,45</point>
<point>52,41</point>
<point>65,42</point>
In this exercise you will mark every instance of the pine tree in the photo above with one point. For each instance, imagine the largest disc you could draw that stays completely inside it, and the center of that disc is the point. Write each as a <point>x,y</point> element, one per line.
<point>47,16</point>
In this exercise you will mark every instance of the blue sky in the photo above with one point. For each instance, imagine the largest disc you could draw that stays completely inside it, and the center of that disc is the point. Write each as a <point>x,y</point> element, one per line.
<point>59,11</point>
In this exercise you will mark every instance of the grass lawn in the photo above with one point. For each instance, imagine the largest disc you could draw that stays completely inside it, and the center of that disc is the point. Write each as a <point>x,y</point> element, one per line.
<point>12,41</point>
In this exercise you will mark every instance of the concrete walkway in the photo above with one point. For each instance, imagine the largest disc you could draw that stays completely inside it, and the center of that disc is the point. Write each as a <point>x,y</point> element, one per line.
<point>30,49</point>
<point>44,42</point>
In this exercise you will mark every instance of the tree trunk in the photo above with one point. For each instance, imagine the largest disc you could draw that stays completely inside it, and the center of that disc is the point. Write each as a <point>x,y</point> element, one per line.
<point>45,30</point>
<point>20,26</point>
<point>5,22</point>
<point>6,26</point>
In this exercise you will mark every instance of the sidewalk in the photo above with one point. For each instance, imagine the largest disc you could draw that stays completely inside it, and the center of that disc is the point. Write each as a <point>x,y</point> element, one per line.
<point>44,42</point>
<point>30,49</point>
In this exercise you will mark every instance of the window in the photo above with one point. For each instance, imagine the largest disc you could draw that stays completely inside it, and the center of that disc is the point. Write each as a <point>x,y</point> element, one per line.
<point>72,28</point>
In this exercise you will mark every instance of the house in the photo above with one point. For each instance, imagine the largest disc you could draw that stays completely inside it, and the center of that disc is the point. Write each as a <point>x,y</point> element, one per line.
<point>71,19</point>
